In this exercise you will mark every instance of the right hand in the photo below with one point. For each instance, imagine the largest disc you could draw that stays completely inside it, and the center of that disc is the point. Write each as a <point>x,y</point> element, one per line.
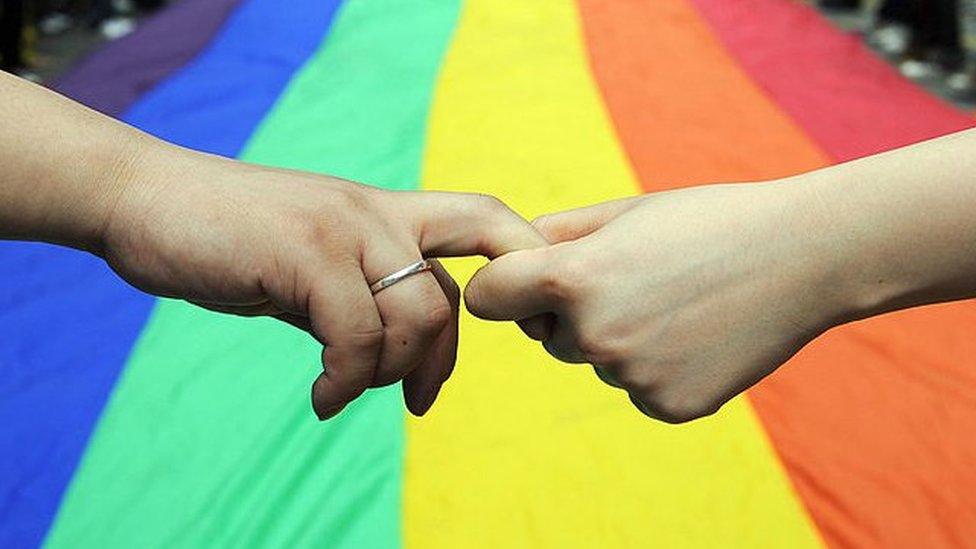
<point>303,248</point>
<point>683,299</point>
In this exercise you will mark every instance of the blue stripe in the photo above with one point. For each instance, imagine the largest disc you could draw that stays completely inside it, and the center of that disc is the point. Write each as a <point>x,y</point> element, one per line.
<point>67,323</point>
<point>215,104</point>
<point>67,326</point>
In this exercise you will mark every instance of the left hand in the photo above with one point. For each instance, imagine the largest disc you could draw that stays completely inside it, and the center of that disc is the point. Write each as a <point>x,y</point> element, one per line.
<point>304,248</point>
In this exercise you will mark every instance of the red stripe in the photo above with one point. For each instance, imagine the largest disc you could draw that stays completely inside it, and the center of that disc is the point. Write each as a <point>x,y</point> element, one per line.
<point>850,102</point>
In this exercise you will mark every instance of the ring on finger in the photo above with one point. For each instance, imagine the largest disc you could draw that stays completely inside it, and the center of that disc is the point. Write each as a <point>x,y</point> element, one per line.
<point>416,267</point>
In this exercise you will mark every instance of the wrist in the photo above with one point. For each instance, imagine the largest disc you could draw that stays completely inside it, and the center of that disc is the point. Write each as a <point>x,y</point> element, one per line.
<point>82,205</point>
<point>114,175</point>
<point>848,257</point>
<point>823,254</point>
<point>138,175</point>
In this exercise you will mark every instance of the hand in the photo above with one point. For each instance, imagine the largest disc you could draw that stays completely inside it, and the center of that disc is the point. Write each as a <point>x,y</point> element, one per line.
<point>249,240</point>
<point>683,299</point>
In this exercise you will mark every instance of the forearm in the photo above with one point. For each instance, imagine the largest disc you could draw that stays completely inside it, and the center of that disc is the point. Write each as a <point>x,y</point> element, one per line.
<point>900,227</point>
<point>62,166</point>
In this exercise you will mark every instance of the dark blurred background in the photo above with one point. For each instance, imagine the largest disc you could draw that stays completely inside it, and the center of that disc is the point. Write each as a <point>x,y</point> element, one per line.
<point>930,41</point>
<point>39,39</point>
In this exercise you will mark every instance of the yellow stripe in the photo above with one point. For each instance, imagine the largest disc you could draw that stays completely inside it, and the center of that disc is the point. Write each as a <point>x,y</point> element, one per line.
<point>522,451</point>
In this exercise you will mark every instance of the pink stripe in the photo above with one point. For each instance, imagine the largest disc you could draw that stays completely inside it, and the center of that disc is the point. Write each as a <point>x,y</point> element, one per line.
<point>847,99</point>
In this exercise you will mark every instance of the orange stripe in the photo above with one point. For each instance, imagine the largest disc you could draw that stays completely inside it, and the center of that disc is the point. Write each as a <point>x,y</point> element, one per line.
<point>684,112</point>
<point>520,451</point>
<point>873,421</point>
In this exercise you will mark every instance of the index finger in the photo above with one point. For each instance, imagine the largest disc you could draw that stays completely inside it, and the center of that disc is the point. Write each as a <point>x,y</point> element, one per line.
<point>459,224</point>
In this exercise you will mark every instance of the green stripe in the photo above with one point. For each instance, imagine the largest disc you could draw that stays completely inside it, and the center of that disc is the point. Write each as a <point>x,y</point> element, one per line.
<point>208,440</point>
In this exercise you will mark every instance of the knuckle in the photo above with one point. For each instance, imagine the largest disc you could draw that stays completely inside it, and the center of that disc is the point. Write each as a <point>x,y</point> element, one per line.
<point>565,277</point>
<point>680,407</point>
<point>436,318</point>
<point>550,226</point>
<point>593,348</point>
<point>602,348</point>
<point>430,318</point>
<point>493,210</point>
<point>368,336</point>
<point>329,235</point>
<point>339,218</point>
<point>637,380</point>
<point>491,205</point>
<point>496,226</point>
<point>351,198</point>
<point>543,222</point>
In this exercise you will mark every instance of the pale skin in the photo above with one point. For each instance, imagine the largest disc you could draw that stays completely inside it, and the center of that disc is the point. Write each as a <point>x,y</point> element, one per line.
<point>683,299</point>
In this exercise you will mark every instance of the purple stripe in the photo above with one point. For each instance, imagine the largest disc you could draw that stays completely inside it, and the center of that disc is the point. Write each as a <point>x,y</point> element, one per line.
<point>117,75</point>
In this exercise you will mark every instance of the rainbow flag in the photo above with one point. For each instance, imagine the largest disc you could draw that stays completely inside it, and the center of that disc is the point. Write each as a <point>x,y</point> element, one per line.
<point>129,421</point>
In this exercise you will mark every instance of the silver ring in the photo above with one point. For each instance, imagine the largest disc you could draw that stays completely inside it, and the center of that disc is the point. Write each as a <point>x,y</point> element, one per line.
<point>391,279</point>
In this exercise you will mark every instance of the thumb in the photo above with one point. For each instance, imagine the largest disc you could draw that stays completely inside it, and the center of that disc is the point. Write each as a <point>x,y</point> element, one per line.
<point>512,287</point>
<point>453,224</point>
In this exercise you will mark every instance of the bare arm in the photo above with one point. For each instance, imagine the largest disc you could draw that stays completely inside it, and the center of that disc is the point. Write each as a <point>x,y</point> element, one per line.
<point>63,166</point>
<point>686,298</point>
<point>902,224</point>
<point>250,240</point>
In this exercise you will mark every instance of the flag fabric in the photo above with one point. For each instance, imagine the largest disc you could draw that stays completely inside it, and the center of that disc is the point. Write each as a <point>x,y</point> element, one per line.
<point>131,421</point>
